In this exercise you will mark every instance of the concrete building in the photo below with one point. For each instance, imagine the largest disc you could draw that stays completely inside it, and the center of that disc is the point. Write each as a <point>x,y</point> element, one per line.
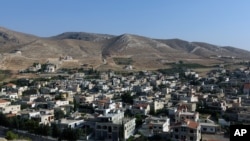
<point>182,115</point>
<point>4,103</point>
<point>113,126</point>
<point>186,130</point>
<point>68,123</point>
<point>155,125</point>
<point>13,109</point>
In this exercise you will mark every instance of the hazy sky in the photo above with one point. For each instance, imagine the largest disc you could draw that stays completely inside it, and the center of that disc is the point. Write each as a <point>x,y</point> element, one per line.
<point>219,22</point>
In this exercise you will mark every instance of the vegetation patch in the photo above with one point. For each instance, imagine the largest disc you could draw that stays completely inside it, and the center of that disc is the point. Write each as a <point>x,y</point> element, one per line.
<point>180,64</point>
<point>123,61</point>
<point>4,74</point>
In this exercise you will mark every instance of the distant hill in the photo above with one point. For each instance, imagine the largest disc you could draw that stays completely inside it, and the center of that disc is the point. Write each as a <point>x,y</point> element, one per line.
<point>93,49</point>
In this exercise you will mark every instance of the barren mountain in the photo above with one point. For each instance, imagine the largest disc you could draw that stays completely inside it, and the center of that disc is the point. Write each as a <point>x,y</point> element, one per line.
<point>107,51</point>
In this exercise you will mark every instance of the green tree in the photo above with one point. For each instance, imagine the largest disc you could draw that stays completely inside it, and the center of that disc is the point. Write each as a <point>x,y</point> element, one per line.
<point>59,114</point>
<point>71,134</point>
<point>44,130</point>
<point>76,105</point>
<point>138,120</point>
<point>31,125</point>
<point>127,98</point>
<point>55,130</point>
<point>11,136</point>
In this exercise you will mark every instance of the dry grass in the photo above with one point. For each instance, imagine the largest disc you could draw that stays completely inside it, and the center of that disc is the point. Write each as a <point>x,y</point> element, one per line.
<point>146,53</point>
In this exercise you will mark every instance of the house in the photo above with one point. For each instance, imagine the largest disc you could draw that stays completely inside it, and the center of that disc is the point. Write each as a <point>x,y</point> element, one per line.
<point>140,108</point>
<point>87,98</point>
<point>29,113</point>
<point>59,103</point>
<point>12,96</point>
<point>50,68</point>
<point>189,106</point>
<point>222,122</point>
<point>4,103</point>
<point>113,126</point>
<point>246,88</point>
<point>208,126</point>
<point>68,123</point>
<point>186,130</point>
<point>44,119</point>
<point>128,127</point>
<point>155,125</point>
<point>216,105</point>
<point>244,116</point>
<point>13,109</point>
<point>184,114</point>
<point>156,105</point>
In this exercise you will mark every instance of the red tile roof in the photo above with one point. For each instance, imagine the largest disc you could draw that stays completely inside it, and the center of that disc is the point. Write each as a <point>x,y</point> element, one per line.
<point>3,101</point>
<point>190,123</point>
<point>247,86</point>
<point>10,85</point>
<point>143,105</point>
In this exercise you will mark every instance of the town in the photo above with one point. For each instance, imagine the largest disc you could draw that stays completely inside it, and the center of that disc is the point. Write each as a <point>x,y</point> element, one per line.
<point>86,104</point>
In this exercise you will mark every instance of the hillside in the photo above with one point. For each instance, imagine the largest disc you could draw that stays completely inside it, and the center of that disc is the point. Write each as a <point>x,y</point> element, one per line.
<point>105,51</point>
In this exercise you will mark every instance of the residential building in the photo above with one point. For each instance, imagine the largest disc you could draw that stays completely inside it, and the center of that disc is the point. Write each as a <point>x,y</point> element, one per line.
<point>186,130</point>
<point>13,109</point>
<point>155,125</point>
<point>4,103</point>
<point>184,114</point>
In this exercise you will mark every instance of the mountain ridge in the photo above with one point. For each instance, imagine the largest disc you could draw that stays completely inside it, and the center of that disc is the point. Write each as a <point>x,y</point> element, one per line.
<point>93,48</point>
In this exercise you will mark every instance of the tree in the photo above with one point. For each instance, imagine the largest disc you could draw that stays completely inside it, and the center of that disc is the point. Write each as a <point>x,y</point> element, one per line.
<point>31,125</point>
<point>138,120</point>
<point>11,136</point>
<point>55,131</point>
<point>3,120</point>
<point>76,105</point>
<point>71,134</point>
<point>59,114</point>
<point>127,98</point>
<point>44,130</point>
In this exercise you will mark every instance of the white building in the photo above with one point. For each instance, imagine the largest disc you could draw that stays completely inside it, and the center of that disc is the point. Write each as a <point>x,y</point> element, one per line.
<point>66,123</point>
<point>182,115</point>
<point>155,125</point>
<point>208,126</point>
<point>4,103</point>
<point>186,130</point>
<point>13,109</point>
<point>110,126</point>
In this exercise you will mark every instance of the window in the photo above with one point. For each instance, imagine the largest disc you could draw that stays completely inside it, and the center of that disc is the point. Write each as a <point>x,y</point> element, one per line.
<point>191,138</point>
<point>109,129</point>
<point>191,131</point>
<point>176,130</point>
<point>183,129</point>
<point>183,137</point>
<point>205,129</point>
<point>176,136</point>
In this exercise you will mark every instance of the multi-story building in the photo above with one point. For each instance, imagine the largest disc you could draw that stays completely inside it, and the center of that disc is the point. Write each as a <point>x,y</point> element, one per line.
<point>67,123</point>
<point>184,114</point>
<point>4,103</point>
<point>186,130</point>
<point>244,116</point>
<point>113,126</point>
<point>155,125</point>
<point>13,109</point>
<point>140,108</point>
